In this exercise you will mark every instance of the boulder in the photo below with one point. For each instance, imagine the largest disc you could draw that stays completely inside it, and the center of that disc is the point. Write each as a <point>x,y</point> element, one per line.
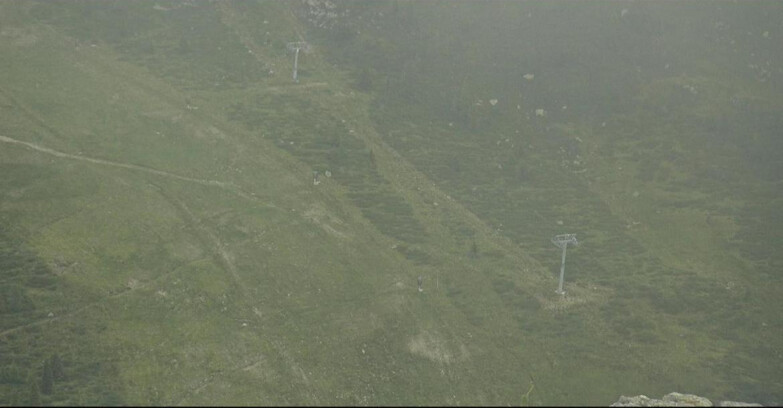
<point>675,399</point>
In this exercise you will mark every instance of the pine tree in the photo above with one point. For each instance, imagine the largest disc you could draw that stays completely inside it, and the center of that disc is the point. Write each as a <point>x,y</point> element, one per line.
<point>47,378</point>
<point>364,82</point>
<point>57,367</point>
<point>473,250</point>
<point>35,394</point>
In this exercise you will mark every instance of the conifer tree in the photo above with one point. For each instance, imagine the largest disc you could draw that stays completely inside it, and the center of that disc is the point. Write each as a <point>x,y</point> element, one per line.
<point>473,250</point>
<point>47,378</point>
<point>34,396</point>
<point>57,367</point>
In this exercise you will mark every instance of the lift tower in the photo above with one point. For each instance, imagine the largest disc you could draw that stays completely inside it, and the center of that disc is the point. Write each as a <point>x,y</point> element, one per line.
<point>562,241</point>
<point>295,47</point>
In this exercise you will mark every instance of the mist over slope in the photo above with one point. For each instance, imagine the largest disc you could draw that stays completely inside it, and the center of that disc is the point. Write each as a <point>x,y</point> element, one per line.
<point>181,223</point>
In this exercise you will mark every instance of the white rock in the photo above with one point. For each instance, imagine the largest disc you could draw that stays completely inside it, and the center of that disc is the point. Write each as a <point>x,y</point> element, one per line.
<point>690,399</point>
<point>529,77</point>
<point>737,404</point>
<point>493,102</point>
<point>540,112</point>
<point>676,399</point>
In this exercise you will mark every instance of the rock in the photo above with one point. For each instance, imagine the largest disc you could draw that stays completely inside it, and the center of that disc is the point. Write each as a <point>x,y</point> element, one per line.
<point>540,112</point>
<point>493,102</point>
<point>637,401</point>
<point>675,399</point>
<point>689,400</point>
<point>737,404</point>
<point>529,77</point>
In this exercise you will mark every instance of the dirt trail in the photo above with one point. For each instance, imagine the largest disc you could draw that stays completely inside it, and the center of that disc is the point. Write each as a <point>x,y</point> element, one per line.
<point>142,285</point>
<point>211,378</point>
<point>207,236</point>
<point>230,187</point>
<point>223,255</point>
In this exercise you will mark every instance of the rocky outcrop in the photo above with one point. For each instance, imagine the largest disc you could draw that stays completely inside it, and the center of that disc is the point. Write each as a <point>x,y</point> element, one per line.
<point>675,399</point>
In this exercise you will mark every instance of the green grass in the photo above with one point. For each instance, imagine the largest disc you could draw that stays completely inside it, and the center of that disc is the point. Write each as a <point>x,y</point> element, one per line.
<point>165,287</point>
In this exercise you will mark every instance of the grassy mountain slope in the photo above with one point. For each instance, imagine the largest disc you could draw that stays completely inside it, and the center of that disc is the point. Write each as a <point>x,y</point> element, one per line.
<point>161,236</point>
<point>659,146</point>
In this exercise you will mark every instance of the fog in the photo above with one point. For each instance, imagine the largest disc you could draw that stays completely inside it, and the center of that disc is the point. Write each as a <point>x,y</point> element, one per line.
<point>390,202</point>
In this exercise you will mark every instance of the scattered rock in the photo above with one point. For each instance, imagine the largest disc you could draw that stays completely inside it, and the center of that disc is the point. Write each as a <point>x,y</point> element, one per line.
<point>132,283</point>
<point>675,399</point>
<point>736,404</point>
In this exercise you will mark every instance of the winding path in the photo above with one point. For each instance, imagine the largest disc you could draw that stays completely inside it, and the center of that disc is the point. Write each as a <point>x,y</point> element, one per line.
<point>230,187</point>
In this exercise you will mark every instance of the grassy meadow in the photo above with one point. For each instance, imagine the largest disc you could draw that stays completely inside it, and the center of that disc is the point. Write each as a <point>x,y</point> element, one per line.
<point>162,241</point>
